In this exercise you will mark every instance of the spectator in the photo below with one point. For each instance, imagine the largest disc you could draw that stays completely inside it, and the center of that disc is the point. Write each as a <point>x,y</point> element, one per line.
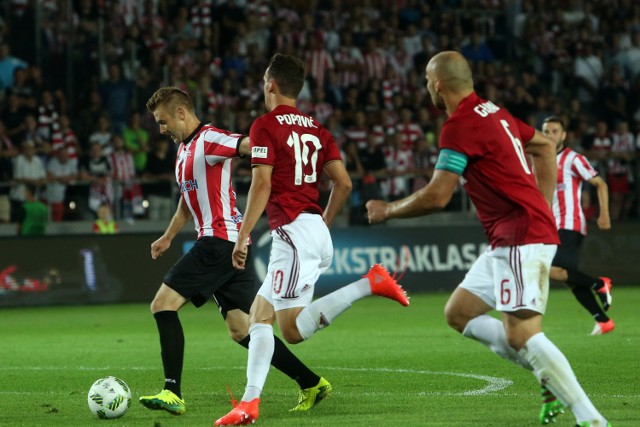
<point>13,116</point>
<point>160,170</point>
<point>477,49</point>
<point>102,134</point>
<point>34,215</point>
<point>8,65</point>
<point>97,170</point>
<point>399,162</point>
<point>620,166</point>
<point>117,94</point>
<point>127,191</point>
<point>105,224</point>
<point>27,169</point>
<point>61,171</point>
<point>136,140</point>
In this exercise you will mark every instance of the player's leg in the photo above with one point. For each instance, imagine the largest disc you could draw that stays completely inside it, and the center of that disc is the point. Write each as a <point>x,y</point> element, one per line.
<point>234,300</point>
<point>466,310</point>
<point>520,272</point>
<point>261,349</point>
<point>191,278</point>
<point>164,307</point>
<point>565,269</point>
<point>307,251</point>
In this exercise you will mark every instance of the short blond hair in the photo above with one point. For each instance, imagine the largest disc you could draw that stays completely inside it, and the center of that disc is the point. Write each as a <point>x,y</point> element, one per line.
<point>171,97</point>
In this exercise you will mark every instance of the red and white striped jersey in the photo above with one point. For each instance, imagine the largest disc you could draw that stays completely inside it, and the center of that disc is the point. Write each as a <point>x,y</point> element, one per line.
<point>203,174</point>
<point>348,56</point>
<point>573,168</point>
<point>622,143</point>
<point>410,132</point>
<point>318,62</point>
<point>375,63</point>
<point>122,168</point>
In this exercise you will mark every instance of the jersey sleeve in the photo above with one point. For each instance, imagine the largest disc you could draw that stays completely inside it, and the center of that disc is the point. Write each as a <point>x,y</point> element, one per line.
<point>582,168</point>
<point>220,145</point>
<point>262,148</point>
<point>526,131</point>
<point>332,152</point>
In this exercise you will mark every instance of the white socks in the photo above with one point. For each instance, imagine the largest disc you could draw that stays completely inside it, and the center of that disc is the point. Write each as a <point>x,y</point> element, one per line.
<point>323,311</point>
<point>261,348</point>
<point>490,332</point>
<point>552,369</point>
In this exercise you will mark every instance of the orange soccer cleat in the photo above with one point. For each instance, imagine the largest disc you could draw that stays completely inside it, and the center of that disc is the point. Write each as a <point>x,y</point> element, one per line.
<point>384,285</point>
<point>602,328</point>
<point>242,414</point>
<point>605,293</point>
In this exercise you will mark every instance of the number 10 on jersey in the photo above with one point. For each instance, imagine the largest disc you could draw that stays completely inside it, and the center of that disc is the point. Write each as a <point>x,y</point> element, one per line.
<point>305,155</point>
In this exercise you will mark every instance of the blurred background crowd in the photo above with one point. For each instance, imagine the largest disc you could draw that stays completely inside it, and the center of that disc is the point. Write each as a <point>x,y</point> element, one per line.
<point>75,76</point>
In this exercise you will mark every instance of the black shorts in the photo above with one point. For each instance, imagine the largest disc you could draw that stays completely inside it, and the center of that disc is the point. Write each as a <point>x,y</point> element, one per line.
<point>568,253</point>
<point>206,272</point>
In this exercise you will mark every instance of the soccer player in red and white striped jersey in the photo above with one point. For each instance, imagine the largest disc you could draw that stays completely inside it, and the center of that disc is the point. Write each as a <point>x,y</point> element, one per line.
<point>205,272</point>
<point>573,170</point>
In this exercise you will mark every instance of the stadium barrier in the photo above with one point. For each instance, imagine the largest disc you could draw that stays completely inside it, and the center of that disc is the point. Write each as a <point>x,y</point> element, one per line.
<point>87,269</point>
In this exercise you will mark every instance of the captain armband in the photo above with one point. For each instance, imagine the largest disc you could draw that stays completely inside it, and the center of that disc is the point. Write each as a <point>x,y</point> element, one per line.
<point>451,161</point>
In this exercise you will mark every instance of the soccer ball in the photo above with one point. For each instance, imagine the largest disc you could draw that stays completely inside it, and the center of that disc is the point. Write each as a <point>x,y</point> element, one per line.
<point>109,397</point>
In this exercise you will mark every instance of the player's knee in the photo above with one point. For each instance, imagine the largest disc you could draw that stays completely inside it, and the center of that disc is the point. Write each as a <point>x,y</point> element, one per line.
<point>237,335</point>
<point>291,335</point>
<point>156,305</point>
<point>454,318</point>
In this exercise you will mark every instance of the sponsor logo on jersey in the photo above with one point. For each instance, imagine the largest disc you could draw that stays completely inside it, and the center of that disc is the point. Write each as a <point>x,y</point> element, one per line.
<point>259,152</point>
<point>296,119</point>
<point>189,185</point>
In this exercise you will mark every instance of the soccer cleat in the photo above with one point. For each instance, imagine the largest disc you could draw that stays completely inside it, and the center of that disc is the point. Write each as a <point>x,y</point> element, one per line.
<point>551,407</point>
<point>309,397</point>
<point>165,400</point>
<point>242,414</point>
<point>605,293</point>
<point>602,328</point>
<point>384,285</point>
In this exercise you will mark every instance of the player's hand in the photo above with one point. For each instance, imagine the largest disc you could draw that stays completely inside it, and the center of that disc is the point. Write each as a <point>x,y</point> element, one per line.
<point>239,256</point>
<point>159,247</point>
<point>604,222</point>
<point>376,211</point>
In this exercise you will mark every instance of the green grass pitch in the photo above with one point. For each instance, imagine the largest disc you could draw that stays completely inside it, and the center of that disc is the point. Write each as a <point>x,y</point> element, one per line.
<point>389,366</point>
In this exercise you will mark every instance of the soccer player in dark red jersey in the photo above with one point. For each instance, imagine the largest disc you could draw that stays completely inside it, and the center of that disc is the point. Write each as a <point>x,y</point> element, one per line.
<point>486,148</point>
<point>289,152</point>
<point>203,174</point>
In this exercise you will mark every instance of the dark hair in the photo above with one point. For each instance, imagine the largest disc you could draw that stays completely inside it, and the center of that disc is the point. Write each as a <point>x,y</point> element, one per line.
<point>169,96</point>
<point>554,119</point>
<point>288,72</point>
<point>31,189</point>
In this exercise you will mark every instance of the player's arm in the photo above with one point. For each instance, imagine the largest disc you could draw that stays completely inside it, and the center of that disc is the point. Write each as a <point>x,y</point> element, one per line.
<point>180,218</point>
<point>430,198</point>
<point>604,222</point>
<point>259,193</point>
<point>543,153</point>
<point>342,186</point>
<point>244,146</point>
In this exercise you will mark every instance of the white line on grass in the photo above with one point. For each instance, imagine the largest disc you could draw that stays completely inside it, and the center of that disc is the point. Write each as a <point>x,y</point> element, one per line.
<point>493,383</point>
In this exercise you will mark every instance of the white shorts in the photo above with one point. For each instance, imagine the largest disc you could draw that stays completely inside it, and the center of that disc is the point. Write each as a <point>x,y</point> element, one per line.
<point>512,278</point>
<point>300,253</point>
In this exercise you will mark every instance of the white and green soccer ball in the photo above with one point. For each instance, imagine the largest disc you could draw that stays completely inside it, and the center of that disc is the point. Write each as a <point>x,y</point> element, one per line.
<point>109,397</point>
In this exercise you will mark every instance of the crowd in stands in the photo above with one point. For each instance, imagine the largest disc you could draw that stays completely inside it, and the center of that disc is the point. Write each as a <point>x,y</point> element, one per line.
<point>73,123</point>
